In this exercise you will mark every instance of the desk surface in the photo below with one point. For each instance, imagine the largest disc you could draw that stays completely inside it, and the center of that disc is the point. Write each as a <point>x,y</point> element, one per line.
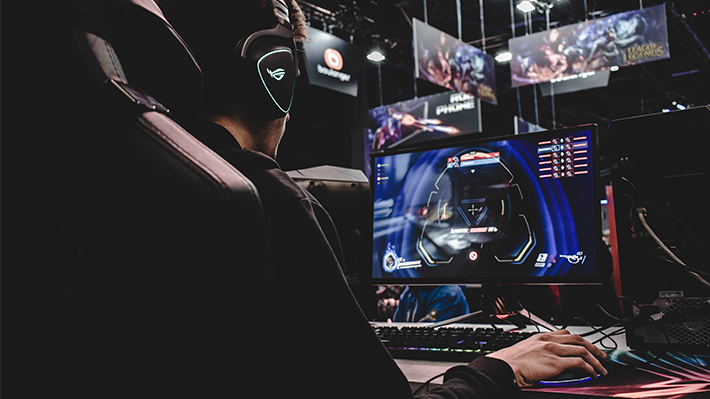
<point>633,374</point>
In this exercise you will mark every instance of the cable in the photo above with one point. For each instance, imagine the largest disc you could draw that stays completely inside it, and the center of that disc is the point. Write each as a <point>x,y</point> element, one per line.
<point>599,331</point>
<point>682,223</point>
<point>692,271</point>
<point>530,317</point>
<point>641,212</point>
<point>619,331</point>
<point>597,306</point>
<point>645,199</point>
<point>633,303</point>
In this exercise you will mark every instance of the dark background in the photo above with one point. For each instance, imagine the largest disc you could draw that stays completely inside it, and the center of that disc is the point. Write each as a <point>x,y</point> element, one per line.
<point>327,127</point>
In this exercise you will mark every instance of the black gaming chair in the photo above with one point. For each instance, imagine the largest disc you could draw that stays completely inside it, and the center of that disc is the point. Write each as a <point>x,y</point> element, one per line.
<point>139,257</point>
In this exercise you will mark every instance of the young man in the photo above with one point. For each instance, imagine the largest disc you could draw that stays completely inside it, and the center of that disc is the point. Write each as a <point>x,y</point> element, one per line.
<point>325,346</point>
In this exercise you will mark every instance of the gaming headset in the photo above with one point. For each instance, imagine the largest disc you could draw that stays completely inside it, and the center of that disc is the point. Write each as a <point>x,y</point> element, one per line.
<point>267,67</point>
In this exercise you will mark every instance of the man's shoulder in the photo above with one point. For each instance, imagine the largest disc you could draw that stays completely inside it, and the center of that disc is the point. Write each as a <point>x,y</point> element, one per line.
<point>265,173</point>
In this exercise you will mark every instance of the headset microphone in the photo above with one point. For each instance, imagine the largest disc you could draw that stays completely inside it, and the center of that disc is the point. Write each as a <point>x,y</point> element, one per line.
<point>267,67</point>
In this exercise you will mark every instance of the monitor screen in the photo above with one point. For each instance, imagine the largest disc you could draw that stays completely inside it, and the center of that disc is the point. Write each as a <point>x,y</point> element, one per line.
<point>516,209</point>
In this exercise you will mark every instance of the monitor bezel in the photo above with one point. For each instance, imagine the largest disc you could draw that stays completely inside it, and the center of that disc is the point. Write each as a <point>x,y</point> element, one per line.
<point>482,138</point>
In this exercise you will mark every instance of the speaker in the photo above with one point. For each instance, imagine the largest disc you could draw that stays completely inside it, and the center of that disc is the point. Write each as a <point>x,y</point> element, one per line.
<point>267,66</point>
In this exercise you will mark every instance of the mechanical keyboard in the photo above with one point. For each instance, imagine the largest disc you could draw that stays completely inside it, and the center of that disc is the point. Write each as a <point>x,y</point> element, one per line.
<point>445,343</point>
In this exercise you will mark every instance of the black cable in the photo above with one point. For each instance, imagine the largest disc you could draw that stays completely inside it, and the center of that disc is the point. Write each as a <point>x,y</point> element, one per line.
<point>600,331</point>
<point>426,383</point>
<point>672,262</point>
<point>634,304</point>
<point>596,330</point>
<point>619,331</point>
<point>616,321</point>
<point>530,319</point>
<point>662,245</point>
<point>659,210</point>
<point>694,272</point>
<point>597,306</point>
<point>625,298</point>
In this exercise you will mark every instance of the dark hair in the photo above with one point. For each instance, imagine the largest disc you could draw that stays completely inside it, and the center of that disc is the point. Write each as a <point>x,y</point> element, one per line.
<point>212,29</point>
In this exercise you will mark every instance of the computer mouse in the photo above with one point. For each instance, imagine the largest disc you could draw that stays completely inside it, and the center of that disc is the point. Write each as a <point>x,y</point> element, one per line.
<point>575,376</point>
<point>568,377</point>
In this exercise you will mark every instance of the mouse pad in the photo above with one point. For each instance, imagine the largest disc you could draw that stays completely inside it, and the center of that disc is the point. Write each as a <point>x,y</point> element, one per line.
<point>643,374</point>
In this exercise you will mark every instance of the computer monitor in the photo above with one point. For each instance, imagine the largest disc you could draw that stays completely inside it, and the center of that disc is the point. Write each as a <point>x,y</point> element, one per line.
<point>520,209</point>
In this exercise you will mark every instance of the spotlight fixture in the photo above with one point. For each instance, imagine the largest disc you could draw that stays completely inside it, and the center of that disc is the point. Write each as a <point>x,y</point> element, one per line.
<point>525,6</point>
<point>679,105</point>
<point>541,6</point>
<point>504,56</point>
<point>376,56</point>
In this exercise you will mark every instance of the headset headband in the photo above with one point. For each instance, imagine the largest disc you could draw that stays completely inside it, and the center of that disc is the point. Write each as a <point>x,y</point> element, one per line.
<point>284,29</point>
<point>281,13</point>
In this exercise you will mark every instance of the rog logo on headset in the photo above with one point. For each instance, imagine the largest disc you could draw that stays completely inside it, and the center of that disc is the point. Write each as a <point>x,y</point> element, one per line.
<point>276,74</point>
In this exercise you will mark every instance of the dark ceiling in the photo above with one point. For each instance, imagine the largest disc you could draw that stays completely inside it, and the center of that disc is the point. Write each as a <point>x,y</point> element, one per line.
<point>635,90</point>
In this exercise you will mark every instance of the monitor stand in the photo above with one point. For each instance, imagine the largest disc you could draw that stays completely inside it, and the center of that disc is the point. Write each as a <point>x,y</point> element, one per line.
<point>498,301</point>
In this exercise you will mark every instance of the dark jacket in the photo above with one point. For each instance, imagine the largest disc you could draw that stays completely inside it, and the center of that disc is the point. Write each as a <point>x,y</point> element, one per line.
<point>326,346</point>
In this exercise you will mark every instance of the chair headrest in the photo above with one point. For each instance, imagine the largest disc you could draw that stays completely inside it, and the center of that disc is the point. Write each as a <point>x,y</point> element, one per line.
<point>151,53</point>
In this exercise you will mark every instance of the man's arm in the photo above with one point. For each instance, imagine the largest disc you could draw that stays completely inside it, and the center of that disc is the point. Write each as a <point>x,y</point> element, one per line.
<point>484,378</point>
<point>503,373</point>
<point>544,356</point>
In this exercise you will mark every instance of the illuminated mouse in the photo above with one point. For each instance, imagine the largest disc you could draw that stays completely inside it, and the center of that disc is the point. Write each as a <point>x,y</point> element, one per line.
<point>578,376</point>
<point>568,377</point>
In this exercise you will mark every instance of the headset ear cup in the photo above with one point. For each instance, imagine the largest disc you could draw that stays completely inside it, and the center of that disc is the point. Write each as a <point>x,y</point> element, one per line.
<point>267,76</point>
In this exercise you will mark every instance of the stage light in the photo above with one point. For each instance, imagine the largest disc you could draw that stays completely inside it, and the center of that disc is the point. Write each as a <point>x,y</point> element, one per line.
<point>504,56</point>
<point>678,105</point>
<point>614,68</point>
<point>665,110</point>
<point>375,56</point>
<point>525,6</point>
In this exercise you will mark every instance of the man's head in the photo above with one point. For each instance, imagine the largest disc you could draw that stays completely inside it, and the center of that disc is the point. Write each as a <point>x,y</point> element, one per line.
<point>216,32</point>
<point>246,49</point>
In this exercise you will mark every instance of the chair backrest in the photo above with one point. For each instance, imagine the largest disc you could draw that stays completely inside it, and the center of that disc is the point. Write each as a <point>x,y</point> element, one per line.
<point>143,254</point>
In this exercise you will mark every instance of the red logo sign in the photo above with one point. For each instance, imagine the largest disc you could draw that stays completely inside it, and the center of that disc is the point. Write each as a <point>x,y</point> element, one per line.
<point>333,59</point>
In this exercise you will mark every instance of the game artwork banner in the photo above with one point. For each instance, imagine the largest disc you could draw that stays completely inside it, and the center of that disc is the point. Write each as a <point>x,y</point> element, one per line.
<point>451,63</point>
<point>574,51</point>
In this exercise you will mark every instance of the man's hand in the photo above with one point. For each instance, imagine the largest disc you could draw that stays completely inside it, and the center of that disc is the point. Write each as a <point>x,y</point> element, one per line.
<point>546,355</point>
